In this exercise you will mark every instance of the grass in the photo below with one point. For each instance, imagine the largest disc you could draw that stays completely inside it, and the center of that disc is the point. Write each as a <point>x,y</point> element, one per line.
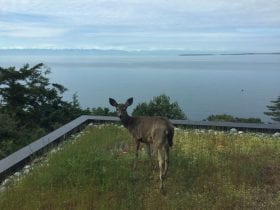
<point>207,171</point>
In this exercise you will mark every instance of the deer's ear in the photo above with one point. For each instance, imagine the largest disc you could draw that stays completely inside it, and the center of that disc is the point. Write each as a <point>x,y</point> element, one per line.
<point>129,101</point>
<point>113,102</point>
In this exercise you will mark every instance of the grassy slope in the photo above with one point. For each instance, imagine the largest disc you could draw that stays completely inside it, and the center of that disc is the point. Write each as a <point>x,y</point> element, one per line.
<point>208,171</point>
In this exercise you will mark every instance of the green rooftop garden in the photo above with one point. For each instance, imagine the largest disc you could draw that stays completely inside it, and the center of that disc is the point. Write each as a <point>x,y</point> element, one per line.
<point>94,170</point>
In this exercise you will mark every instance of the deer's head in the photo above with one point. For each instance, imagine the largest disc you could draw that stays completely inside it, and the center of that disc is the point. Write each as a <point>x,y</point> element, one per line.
<point>121,108</point>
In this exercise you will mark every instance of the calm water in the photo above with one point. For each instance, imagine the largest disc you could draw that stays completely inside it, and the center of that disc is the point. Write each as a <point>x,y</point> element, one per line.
<point>202,85</point>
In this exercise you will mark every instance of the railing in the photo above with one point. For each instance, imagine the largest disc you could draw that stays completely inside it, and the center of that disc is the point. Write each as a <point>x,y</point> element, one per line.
<point>16,160</point>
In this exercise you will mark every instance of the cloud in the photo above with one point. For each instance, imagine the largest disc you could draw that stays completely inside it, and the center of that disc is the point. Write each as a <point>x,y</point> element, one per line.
<point>25,18</point>
<point>136,23</point>
<point>157,12</point>
<point>29,31</point>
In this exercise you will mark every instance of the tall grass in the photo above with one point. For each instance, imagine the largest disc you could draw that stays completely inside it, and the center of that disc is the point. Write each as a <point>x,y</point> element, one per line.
<point>207,171</point>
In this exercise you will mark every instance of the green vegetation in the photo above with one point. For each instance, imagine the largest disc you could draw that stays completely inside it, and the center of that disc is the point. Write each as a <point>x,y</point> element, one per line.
<point>208,170</point>
<point>31,106</point>
<point>160,106</point>
<point>100,111</point>
<point>274,110</point>
<point>230,118</point>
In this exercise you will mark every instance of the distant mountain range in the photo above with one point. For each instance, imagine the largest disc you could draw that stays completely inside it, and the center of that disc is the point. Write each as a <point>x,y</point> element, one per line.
<point>116,52</point>
<point>111,52</point>
<point>61,52</point>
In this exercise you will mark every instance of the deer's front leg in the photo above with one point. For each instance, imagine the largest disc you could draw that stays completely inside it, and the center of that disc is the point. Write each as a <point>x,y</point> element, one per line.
<point>137,146</point>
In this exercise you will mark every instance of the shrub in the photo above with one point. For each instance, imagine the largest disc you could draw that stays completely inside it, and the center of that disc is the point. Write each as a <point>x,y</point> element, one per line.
<point>230,118</point>
<point>160,106</point>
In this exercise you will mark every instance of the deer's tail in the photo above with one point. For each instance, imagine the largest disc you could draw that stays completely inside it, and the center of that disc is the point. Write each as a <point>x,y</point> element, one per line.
<point>170,134</point>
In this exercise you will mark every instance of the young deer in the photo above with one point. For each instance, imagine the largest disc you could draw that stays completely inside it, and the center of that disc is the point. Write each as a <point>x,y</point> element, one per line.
<point>157,131</point>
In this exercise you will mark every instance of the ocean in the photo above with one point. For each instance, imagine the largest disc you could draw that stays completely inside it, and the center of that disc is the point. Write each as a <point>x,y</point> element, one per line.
<point>240,85</point>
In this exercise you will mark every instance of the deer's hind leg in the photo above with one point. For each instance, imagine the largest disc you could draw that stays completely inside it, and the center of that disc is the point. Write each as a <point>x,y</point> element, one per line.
<point>161,165</point>
<point>149,153</point>
<point>137,146</point>
<point>166,159</point>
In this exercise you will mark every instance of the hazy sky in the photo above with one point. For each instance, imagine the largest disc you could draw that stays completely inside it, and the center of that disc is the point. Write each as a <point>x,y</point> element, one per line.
<point>190,25</point>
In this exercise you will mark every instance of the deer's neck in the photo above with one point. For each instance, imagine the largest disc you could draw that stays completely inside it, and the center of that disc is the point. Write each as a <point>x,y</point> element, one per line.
<point>127,121</point>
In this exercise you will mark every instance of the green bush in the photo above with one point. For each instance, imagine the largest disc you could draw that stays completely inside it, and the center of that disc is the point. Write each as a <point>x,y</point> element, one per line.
<point>230,118</point>
<point>102,111</point>
<point>160,106</point>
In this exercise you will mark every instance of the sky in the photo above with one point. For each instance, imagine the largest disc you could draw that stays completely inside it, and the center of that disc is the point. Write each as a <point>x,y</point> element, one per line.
<point>135,25</point>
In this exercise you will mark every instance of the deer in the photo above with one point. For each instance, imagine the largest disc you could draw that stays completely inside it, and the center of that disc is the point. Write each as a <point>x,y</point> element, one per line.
<point>155,131</point>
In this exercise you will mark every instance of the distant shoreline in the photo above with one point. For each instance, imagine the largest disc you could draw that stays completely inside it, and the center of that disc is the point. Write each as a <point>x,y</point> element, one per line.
<point>213,54</point>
